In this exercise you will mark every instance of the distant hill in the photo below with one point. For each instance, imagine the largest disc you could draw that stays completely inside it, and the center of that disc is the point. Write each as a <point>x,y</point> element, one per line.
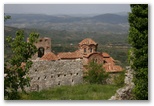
<point>107,18</point>
<point>68,37</point>
<point>105,23</point>
<point>111,18</point>
<point>20,18</point>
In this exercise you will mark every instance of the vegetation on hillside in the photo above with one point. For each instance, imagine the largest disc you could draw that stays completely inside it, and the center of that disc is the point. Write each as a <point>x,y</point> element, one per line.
<point>138,38</point>
<point>107,23</point>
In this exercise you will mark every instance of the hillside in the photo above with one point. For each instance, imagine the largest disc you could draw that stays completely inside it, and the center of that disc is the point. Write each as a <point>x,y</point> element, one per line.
<point>105,23</point>
<point>111,18</point>
<point>110,31</point>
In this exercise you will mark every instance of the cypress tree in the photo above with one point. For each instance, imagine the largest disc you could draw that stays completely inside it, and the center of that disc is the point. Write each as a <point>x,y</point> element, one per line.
<point>138,39</point>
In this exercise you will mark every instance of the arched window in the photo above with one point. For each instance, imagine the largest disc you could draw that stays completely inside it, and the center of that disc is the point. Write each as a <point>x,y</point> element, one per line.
<point>40,52</point>
<point>91,50</point>
<point>84,50</point>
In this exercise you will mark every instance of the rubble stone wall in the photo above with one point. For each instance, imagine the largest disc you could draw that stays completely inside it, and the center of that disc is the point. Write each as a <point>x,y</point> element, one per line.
<point>48,74</point>
<point>125,93</point>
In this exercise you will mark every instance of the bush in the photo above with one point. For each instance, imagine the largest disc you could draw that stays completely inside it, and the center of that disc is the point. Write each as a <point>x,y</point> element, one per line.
<point>96,73</point>
<point>119,79</point>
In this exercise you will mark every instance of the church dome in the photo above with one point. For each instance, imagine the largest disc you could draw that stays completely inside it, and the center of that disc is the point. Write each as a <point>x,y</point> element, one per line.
<point>87,41</point>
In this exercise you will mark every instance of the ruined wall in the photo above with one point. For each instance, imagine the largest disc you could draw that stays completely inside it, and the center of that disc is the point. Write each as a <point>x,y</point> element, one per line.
<point>47,74</point>
<point>43,46</point>
<point>125,93</point>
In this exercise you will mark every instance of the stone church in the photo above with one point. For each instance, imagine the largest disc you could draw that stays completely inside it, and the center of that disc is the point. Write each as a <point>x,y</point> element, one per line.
<point>87,51</point>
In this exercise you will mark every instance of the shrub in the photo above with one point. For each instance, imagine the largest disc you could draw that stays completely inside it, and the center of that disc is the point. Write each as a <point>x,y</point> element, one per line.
<point>96,73</point>
<point>119,79</point>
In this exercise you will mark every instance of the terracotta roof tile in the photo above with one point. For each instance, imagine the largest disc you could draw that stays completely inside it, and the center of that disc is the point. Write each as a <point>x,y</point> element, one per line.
<point>105,54</point>
<point>87,41</point>
<point>112,68</point>
<point>49,56</point>
<point>109,60</point>
<point>69,55</point>
<point>89,54</point>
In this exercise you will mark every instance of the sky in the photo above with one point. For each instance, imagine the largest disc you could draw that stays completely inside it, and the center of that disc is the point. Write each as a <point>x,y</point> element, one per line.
<point>51,9</point>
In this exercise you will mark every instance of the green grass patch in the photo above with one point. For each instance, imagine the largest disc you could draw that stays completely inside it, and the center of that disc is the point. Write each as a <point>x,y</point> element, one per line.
<point>76,92</point>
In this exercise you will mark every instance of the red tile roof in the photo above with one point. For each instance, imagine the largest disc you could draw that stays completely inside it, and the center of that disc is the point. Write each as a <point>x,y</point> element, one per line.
<point>69,55</point>
<point>89,54</point>
<point>87,41</point>
<point>109,60</point>
<point>49,56</point>
<point>105,54</point>
<point>112,68</point>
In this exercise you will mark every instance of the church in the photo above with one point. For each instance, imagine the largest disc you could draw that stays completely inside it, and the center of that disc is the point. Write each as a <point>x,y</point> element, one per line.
<point>87,52</point>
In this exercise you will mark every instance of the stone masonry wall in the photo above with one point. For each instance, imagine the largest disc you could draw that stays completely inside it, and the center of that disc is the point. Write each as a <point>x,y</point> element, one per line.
<point>48,74</point>
<point>125,93</point>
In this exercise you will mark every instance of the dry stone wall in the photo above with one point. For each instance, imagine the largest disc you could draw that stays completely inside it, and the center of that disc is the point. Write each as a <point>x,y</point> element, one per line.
<point>125,93</point>
<point>48,74</point>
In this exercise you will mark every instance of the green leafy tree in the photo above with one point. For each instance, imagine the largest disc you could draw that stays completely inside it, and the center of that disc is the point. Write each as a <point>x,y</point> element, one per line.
<point>17,66</point>
<point>138,55</point>
<point>96,73</point>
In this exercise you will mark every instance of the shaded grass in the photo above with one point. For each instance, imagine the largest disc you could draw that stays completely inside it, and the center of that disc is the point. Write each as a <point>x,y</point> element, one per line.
<point>76,92</point>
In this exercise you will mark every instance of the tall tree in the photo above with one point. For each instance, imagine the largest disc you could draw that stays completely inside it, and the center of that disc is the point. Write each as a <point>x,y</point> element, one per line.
<point>17,67</point>
<point>138,38</point>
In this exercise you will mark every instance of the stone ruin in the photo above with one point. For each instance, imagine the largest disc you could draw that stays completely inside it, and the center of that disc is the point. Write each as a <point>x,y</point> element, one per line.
<point>50,70</point>
<point>125,93</point>
<point>48,74</point>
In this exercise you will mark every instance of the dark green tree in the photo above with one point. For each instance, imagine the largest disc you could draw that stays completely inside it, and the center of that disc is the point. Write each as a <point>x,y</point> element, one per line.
<point>96,73</point>
<point>138,55</point>
<point>17,66</point>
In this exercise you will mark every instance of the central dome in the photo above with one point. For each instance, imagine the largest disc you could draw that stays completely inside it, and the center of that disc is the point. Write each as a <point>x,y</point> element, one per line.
<point>87,41</point>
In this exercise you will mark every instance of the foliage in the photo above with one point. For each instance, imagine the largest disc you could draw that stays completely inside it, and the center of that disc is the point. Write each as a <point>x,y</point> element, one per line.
<point>96,73</point>
<point>76,92</point>
<point>17,66</point>
<point>138,55</point>
<point>119,80</point>
<point>6,17</point>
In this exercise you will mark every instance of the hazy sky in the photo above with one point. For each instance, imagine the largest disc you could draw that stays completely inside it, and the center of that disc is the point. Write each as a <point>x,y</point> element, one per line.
<point>66,8</point>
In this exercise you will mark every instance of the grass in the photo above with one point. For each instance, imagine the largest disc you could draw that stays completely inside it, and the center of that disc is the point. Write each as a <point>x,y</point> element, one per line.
<point>76,92</point>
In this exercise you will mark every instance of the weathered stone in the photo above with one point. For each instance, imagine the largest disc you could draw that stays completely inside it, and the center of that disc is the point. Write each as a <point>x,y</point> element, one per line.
<point>124,93</point>
<point>48,74</point>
